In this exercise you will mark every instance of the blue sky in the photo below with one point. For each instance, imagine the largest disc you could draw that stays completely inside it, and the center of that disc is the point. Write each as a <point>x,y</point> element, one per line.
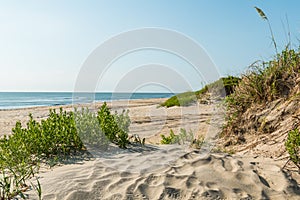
<point>45,43</point>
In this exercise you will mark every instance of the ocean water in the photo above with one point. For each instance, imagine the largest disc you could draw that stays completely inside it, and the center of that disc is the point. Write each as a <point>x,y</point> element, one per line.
<point>14,100</point>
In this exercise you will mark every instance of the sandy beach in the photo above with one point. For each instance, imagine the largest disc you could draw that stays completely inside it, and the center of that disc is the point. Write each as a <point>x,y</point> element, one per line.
<point>162,171</point>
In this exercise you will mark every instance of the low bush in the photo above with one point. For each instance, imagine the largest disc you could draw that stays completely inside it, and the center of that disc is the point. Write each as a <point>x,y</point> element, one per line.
<point>17,164</point>
<point>115,127</point>
<point>89,129</point>
<point>60,135</point>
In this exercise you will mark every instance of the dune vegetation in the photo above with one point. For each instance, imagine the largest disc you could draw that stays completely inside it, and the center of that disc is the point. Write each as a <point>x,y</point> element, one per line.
<point>267,86</point>
<point>60,136</point>
<point>222,87</point>
<point>265,103</point>
<point>250,101</point>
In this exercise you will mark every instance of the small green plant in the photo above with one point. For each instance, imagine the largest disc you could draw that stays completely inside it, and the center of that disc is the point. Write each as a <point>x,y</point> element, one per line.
<point>89,129</point>
<point>115,127</point>
<point>292,145</point>
<point>181,138</point>
<point>185,136</point>
<point>123,120</point>
<point>171,139</point>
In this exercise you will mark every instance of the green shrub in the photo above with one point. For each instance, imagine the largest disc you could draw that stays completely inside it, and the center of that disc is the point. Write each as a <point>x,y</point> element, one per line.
<point>16,164</point>
<point>14,152</point>
<point>115,127</point>
<point>89,129</point>
<point>64,127</point>
<point>58,136</point>
<point>172,101</point>
<point>123,120</point>
<point>292,145</point>
<point>55,136</point>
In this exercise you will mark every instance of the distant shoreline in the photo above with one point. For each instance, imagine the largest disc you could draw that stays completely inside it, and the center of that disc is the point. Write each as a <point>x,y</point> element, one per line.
<point>24,100</point>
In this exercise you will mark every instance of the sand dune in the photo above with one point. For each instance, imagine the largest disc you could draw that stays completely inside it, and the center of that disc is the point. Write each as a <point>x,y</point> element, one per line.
<point>162,171</point>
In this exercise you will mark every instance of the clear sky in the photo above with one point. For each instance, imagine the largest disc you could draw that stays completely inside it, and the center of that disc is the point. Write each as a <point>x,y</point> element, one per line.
<point>43,44</point>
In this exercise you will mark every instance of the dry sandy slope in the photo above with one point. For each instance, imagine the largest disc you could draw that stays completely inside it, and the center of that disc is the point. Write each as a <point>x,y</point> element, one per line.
<point>163,171</point>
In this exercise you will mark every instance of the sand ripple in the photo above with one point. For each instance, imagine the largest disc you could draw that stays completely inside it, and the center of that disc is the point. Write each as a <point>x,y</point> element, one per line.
<point>191,176</point>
